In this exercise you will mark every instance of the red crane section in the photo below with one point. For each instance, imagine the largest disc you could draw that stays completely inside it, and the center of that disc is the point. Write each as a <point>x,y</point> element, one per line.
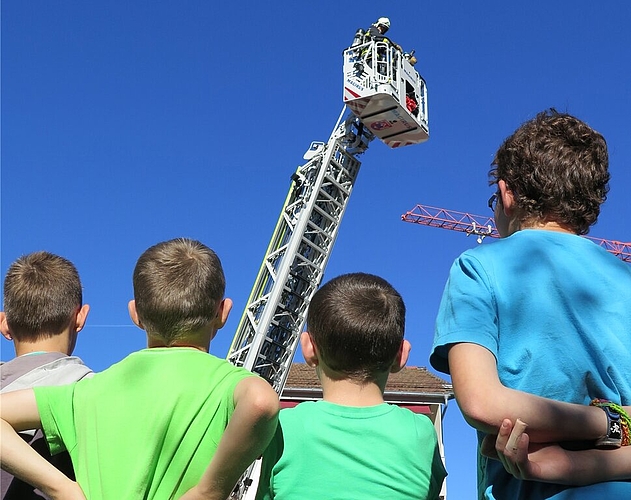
<point>482,227</point>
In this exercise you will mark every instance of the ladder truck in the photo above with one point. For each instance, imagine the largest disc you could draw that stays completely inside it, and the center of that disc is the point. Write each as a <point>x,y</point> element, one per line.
<point>384,97</point>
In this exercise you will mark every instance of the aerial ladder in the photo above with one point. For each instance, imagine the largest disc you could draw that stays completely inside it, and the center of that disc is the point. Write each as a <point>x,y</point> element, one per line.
<point>384,97</point>
<point>481,227</point>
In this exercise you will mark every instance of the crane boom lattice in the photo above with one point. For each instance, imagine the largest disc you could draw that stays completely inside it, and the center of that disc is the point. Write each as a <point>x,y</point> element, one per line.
<point>482,227</point>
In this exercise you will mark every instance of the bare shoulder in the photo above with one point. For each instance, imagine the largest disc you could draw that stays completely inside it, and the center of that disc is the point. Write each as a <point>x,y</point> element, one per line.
<point>257,393</point>
<point>19,408</point>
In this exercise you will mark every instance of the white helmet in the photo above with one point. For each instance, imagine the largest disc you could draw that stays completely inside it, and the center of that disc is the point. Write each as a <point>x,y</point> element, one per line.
<point>383,21</point>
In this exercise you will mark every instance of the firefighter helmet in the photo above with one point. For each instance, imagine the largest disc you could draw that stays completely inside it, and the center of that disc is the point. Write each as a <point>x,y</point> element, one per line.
<point>383,21</point>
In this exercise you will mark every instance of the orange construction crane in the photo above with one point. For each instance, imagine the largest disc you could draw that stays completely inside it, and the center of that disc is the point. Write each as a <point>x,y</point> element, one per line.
<point>482,227</point>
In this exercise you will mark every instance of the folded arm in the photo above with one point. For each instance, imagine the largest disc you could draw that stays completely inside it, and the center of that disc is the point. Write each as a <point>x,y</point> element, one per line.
<point>485,402</point>
<point>554,464</point>
<point>18,411</point>
<point>249,431</point>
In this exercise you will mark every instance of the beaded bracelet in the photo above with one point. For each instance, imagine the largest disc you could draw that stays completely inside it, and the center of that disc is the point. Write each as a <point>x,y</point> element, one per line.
<point>618,425</point>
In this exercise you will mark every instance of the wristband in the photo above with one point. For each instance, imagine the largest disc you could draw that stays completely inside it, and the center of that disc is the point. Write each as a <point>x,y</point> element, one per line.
<point>618,424</point>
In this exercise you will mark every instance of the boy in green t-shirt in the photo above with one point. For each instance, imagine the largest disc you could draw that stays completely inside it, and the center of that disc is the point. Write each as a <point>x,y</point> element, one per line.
<point>352,445</point>
<point>153,424</point>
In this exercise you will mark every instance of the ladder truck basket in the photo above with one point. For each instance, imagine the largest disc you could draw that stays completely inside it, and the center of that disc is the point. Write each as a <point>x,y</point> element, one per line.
<point>382,88</point>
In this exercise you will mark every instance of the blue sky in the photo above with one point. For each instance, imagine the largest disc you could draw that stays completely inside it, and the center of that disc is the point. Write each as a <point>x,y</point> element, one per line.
<point>128,123</point>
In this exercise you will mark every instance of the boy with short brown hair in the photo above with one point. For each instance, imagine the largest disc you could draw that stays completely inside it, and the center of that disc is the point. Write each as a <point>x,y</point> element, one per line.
<point>151,425</point>
<point>43,314</point>
<point>352,445</point>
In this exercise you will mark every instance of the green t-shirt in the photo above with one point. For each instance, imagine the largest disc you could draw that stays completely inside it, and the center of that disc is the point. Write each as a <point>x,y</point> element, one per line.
<point>324,451</point>
<point>145,428</point>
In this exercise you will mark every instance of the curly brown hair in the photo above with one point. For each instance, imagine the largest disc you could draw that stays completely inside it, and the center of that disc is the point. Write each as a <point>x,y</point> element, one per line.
<point>557,168</point>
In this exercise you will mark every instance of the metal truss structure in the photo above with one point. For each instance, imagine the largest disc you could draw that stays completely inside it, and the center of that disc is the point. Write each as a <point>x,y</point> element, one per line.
<point>269,330</point>
<point>482,227</point>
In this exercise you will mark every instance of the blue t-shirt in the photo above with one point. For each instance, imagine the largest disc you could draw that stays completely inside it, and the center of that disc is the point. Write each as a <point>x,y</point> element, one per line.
<point>555,311</point>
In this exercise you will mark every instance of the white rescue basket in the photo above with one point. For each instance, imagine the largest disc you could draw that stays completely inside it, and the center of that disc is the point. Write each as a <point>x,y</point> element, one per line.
<point>382,88</point>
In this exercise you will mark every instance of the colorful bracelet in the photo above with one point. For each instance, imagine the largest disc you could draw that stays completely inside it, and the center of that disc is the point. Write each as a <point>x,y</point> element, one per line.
<point>618,425</point>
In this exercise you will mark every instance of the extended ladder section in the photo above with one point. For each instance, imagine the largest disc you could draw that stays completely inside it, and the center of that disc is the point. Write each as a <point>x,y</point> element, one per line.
<point>385,92</point>
<point>270,327</point>
<point>389,101</point>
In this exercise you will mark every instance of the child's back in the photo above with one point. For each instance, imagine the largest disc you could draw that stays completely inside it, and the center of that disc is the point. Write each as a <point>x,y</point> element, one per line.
<point>343,452</point>
<point>167,421</point>
<point>352,445</point>
<point>155,419</point>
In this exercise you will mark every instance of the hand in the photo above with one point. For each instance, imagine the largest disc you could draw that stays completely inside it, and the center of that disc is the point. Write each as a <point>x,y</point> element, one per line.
<point>546,462</point>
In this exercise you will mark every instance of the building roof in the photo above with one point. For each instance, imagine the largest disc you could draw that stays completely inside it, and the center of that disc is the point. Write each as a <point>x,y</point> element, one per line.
<point>412,380</point>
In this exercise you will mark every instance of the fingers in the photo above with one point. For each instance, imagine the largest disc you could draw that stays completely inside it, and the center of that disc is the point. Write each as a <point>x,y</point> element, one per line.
<point>492,446</point>
<point>503,435</point>
<point>518,429</point>
<point>512,447</point>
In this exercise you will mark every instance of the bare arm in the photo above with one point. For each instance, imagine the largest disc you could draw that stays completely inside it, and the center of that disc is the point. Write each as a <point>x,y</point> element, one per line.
<point>551,463</point>
<point>249,431</point>
<point>485,402</point>
<point>18,411</point>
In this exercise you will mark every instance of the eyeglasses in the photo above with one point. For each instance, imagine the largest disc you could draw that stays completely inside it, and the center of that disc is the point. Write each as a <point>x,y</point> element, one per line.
<point>493,202</point>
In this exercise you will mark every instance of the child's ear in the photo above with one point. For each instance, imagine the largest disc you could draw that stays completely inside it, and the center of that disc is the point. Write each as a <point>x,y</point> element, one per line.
<point>225,306</point>
<point>4,327</point>
<point>508,198</point>
<point>308,349</point>
<point>402,357</point>
<point>82,315</point>
<point>133,314</point>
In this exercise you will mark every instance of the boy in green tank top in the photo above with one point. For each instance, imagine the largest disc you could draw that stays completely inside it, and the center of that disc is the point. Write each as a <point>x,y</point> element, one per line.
<point>152,425</point>
<point>352,445</point>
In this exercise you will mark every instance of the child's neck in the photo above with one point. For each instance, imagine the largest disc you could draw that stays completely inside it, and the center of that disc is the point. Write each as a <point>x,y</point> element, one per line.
<point>199,340</point>
<point>351,393</point>
<point>57,343</point>
<point>193,345</point>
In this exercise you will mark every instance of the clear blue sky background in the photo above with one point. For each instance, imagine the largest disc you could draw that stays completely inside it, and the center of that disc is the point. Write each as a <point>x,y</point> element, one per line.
<point>127,123</point>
